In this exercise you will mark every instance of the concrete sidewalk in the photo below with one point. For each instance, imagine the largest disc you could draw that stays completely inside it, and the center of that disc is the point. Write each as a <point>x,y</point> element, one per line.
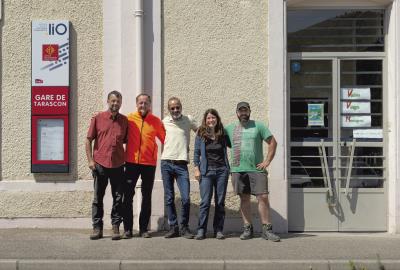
<point>72,249</point>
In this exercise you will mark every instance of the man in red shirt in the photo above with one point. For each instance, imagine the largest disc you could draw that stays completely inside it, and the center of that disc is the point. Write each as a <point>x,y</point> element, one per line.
<point>106,160</point>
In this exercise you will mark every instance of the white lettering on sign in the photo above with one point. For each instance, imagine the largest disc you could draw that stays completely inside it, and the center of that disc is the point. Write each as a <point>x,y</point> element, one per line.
<point>44,97</point>
<point>50,100</point>
<point>60,97</point>
<point>50,103</point>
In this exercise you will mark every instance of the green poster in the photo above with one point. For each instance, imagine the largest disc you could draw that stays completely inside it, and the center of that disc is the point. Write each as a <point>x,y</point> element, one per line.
<point>316,114</point>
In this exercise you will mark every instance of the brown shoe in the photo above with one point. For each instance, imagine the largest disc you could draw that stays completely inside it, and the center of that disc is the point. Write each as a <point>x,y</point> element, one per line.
<point>115,233</point>
<point>96,234</point>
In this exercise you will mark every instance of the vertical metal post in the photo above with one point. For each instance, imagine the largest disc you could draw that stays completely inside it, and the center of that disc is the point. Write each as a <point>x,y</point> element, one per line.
<point>139,45</point>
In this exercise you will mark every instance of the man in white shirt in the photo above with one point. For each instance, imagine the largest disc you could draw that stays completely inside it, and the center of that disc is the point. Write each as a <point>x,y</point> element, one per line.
<point>174,161</point>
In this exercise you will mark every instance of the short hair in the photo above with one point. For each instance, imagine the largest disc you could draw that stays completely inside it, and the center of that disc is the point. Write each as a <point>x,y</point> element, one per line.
<point>141,95</point>
<point>114,93</point>
<point>176,99</point>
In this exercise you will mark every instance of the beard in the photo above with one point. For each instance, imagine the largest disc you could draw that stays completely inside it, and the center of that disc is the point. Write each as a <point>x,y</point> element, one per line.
<point>176,116</point>
<point>244,118</point>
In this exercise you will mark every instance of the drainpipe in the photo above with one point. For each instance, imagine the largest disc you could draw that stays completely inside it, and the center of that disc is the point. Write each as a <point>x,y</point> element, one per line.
<point>138,12</point>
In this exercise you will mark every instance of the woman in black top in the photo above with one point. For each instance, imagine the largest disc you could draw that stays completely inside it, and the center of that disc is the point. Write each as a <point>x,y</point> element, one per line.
<point>212,172</point>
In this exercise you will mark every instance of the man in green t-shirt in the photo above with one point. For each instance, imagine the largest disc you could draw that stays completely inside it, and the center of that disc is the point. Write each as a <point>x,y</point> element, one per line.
<point>249,175</point>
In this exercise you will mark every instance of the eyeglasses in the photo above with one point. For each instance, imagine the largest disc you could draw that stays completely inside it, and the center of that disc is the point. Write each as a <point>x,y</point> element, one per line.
<point>175,108</point>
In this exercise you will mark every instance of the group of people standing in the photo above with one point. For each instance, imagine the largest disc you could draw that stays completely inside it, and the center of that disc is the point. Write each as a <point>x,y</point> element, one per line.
<point>125,149</point>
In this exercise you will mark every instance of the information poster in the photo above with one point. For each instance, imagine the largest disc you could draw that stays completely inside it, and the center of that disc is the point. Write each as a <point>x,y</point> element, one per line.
<point>50,88</point>
<point>50,139</point>
<point>316,114</point>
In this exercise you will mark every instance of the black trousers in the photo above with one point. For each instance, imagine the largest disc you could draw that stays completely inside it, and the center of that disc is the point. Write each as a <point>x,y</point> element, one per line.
<point>132,173</point>
<point>101,175</point>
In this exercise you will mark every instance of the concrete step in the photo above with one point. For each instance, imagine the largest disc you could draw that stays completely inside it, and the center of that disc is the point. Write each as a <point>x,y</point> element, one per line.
<point>195,264</point>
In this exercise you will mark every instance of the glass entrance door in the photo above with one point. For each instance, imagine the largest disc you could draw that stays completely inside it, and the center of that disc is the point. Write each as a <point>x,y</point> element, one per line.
<point>337,164</point>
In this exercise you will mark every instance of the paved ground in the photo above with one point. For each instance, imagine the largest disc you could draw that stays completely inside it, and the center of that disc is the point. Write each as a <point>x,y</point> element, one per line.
<point>72,249</point>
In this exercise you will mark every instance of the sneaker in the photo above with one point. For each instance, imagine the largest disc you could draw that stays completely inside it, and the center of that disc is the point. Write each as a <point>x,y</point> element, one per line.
<point>145,234</point>
<point>267,233</point>
<point>185,232</point>
<point>200,235</point>
<point>115,233</point>
<point>96,234</point>
<point>247,232</point>
<point>219,235</point>
<point>127,235</point>
<point>173,232</point>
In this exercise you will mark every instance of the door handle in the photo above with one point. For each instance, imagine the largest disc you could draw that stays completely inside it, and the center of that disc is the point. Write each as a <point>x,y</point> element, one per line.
<point>330,194</point>
<point>353,146</point>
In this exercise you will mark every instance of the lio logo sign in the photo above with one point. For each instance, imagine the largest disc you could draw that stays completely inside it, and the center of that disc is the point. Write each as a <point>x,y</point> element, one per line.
<point>59,29</point>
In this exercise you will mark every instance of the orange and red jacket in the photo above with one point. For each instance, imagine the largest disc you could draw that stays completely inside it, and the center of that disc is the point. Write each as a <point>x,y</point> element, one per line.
<point>142,132</point>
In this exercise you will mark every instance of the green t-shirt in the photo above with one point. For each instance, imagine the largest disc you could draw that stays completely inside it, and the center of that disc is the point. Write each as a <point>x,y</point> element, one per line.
<point>247,145</point>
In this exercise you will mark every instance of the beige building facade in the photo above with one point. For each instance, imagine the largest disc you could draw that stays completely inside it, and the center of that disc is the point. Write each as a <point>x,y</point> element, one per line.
<point>210,54</point>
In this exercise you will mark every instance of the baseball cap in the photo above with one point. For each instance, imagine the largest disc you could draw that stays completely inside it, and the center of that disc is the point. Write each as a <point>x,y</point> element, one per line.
<point>242,104</point>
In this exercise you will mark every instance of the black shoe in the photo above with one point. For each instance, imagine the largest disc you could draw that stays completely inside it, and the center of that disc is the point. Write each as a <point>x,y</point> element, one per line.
<point>145,234</point>
<point>219,235</point>
<point>173,232</point>
<point>115,233</point>
<point>185,232</point>
<point>127,235</point>
<point>96,234</point>
<point>248,232</point>
<point>200,235</point>
<point>267,233</point>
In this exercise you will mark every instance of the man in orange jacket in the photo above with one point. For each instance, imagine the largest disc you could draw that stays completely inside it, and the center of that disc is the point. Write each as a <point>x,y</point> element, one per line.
<point>141,159</point>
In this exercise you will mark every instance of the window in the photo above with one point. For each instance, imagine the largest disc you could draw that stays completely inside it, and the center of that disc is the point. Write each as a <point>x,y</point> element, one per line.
<point>335,30</point>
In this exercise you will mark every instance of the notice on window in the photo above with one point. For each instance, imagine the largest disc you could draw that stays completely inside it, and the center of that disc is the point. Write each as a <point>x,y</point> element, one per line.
<point>50,139</point>
<point>316,114</point>
<point>356,120</point>
<point>367,133</point>
<point>349,107</point>
<point>356,93</point>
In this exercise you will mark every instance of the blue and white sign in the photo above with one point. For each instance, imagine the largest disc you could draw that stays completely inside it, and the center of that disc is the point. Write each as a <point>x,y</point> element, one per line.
<point>296,67</point>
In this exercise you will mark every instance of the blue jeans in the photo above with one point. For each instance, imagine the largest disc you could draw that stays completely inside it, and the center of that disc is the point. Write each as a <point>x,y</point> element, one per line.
<point>169,172</point>
<point>213,180</point>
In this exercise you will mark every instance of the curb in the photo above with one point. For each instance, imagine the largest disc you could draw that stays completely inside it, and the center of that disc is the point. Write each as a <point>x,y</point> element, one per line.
<point>193,264</point>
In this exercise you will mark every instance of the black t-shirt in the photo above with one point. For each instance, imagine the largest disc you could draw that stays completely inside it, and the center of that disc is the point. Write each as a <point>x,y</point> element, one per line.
<point>215,154</point>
